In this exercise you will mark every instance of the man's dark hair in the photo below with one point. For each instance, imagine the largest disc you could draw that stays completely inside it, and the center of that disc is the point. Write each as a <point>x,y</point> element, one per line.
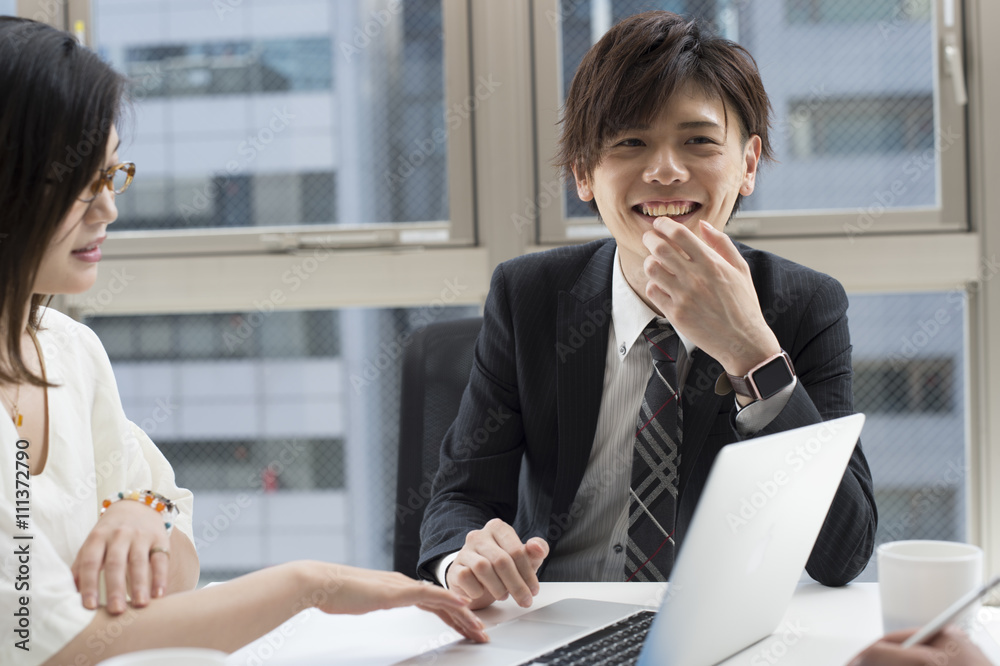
<point>631,73</point>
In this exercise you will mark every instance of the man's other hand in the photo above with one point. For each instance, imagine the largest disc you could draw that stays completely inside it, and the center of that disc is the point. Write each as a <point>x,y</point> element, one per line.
<point>494,563</point>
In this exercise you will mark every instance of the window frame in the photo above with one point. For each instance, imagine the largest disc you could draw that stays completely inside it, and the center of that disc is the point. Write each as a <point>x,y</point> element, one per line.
<point>457,231</point>
<point>555,227</point>
<point>510,213</point>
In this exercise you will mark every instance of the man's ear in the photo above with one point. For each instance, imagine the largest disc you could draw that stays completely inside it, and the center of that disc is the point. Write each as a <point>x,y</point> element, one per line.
<point>583,189</point>
<point>751,160</point>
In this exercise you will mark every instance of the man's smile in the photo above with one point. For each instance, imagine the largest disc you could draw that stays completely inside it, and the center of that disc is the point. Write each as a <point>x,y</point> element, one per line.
<point>672,209</point>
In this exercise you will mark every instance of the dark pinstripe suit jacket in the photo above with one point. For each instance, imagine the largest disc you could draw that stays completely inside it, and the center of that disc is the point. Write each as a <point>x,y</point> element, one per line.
<point>526,425</point>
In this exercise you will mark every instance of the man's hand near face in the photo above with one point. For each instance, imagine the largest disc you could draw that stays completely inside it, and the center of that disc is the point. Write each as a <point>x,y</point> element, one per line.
<point>704,288</point>
<point>494,563</point>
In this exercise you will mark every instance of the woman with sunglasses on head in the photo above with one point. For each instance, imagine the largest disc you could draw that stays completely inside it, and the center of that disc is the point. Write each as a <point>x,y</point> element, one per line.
<point>84,493</point>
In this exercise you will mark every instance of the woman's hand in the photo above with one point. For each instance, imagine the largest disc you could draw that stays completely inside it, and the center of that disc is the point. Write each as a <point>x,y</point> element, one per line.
<point>342,589</point>
<point>122,545</point>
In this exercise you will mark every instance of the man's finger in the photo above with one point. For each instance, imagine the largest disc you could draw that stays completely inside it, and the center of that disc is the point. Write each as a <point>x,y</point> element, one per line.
<point>685,241</point>
<point>480,565</point>
<point>538,550</point>
<point>461,579</point>
<point>721,243</point>
<point>515,568</point>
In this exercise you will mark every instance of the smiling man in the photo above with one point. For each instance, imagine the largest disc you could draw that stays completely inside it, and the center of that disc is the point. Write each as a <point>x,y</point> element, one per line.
<point>628,363</point>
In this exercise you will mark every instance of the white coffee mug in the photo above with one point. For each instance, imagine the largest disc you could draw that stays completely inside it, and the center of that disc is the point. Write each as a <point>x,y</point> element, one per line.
<point>169,657</point>
<point>920,579</point>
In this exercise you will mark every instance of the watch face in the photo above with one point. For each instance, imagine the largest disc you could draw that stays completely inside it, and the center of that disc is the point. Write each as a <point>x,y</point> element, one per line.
<point>772,377</point>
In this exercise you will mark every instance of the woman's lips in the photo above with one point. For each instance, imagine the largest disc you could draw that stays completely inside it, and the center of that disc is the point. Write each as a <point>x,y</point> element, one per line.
<point>90,253</point>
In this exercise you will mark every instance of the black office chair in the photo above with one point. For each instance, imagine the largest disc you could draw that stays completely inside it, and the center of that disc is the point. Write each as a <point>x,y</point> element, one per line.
<point>436,367</point>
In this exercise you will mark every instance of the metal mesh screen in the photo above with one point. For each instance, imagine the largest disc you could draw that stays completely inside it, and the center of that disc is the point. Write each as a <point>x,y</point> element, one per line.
<point>284,424</point>
<point>246,114</point>
<point>909,379</point>
<point>852,88</point>
<point>311,425</point>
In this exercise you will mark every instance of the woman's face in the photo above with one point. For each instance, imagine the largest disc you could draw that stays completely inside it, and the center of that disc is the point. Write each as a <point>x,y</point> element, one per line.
<point>69,265</point>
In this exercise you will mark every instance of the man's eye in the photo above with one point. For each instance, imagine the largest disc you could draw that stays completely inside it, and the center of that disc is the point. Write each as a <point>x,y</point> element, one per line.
<point>630,143</point>
<point>701,139</point>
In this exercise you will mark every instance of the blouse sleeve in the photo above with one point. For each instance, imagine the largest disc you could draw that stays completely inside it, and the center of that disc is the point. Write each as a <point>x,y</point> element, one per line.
<point>136,462</point>
<point>37,587</point>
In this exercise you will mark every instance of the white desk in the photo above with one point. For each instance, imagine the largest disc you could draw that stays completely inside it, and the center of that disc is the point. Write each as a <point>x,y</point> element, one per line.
<point>822,626</point>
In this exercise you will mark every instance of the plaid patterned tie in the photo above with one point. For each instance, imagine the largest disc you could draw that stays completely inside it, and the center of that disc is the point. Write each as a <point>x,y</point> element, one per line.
<point>655,460</point>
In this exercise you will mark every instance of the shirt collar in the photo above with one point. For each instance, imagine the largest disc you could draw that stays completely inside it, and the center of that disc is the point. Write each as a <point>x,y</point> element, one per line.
<point>630,315</point>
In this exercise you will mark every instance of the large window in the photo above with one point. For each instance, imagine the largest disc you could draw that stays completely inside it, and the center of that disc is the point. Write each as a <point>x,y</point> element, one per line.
<point>317,177</point>
<point>909,381</point>
<point>255,114</point>
<point>284,424</point>
<point>863,133</point>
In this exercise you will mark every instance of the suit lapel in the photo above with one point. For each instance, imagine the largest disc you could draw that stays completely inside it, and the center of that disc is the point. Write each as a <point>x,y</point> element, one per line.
<point>583,320</point>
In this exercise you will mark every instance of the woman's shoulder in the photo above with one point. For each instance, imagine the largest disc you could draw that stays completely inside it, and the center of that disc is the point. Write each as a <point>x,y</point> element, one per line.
<point>60,334</point>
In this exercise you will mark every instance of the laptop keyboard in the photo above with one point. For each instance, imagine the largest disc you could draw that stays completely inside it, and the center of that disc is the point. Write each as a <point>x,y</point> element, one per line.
<point>617,644</point>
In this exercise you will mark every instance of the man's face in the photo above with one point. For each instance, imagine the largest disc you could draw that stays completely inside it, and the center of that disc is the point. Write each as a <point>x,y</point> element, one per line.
<point>689,165</point>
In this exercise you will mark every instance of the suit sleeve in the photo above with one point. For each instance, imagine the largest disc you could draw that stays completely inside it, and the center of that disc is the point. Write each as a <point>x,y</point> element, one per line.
<point>820,347</point>
<point>477,479</point>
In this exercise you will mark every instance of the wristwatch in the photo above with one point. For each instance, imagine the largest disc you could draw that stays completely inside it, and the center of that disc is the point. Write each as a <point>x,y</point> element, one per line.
<point>765,379</point>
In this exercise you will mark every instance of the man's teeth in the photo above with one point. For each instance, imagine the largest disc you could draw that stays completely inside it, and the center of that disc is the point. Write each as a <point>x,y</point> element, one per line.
<point>671,209</point>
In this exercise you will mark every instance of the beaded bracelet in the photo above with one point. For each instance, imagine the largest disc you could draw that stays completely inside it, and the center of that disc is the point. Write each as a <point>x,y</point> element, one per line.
<point>154,501</point>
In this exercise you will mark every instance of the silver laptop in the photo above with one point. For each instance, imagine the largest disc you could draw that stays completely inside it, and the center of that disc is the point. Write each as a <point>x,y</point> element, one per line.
<point>753,530</point>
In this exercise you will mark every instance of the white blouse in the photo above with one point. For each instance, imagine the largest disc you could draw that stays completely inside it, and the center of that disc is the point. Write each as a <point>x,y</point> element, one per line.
<point>94,452</point>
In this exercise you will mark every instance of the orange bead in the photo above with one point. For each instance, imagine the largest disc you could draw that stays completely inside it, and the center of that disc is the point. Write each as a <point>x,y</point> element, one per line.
<point>148,499</point>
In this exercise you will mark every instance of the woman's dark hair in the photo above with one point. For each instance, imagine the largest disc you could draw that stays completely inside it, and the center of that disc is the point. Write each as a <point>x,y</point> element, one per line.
<point>632,71</point>
<point>58,103</point>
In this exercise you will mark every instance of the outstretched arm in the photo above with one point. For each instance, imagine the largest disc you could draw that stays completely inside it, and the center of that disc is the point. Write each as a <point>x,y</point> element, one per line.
<point>227,617</point>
